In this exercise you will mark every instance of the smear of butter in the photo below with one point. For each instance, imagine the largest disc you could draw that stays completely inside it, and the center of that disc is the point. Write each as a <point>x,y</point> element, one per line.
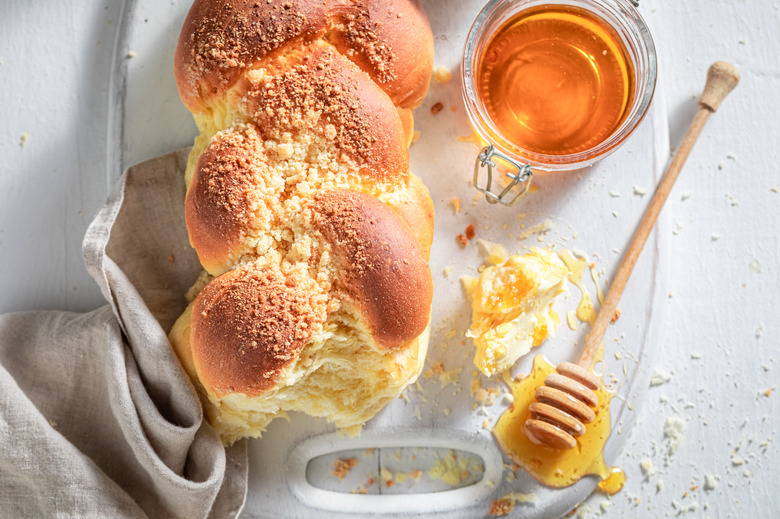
<point>512,307</point>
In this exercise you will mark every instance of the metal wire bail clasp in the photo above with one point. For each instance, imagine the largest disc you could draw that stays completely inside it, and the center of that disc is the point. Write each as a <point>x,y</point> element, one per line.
<point>522,177</point>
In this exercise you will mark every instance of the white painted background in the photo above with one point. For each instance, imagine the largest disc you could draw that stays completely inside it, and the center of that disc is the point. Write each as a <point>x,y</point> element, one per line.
<point>722,321</point>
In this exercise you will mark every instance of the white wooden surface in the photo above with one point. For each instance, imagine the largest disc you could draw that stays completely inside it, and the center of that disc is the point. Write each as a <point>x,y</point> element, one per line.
<point>718,347</point>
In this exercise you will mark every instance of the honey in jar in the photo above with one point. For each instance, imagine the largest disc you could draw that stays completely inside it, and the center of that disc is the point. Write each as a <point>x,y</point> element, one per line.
<point>555,80</point>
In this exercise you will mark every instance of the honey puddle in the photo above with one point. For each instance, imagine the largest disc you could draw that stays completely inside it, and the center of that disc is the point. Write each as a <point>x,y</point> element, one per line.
<point>553,467</point>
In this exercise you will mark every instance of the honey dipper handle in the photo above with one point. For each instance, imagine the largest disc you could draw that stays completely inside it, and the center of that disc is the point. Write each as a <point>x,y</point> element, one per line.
<point>721,79</point>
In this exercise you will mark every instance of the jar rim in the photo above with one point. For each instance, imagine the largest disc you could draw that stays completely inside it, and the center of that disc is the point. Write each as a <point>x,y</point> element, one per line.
<point>640,46</point>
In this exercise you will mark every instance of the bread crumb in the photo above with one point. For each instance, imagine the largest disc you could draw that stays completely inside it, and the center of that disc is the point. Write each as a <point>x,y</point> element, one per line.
<point>501,507</point>
<point>131,54</point>
<point>673,433</point>
<point>616,315</point>
<point>442,74</point>
<point>341,467</point>
<point>415,136</point>
<point>456,205</point>
<point>471,232</point>
<point>437,108</point>
<point>640,191</point>
<point>24,138</point>
<point>462,241</point>
<point>660,377</point>
<point>647,467</point>
<point>387,477</point>
<point>447,271</point>
<point>614,194</point>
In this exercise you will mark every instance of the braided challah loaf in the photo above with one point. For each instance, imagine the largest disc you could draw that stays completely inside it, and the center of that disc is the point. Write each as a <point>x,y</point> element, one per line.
<point>300,204</point>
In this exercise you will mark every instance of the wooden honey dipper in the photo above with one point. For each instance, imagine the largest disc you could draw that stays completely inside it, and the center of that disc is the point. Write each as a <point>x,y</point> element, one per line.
<point>564,403</point>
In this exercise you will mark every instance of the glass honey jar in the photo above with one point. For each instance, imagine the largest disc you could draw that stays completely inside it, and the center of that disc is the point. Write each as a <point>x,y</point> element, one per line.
<point>554,85</point>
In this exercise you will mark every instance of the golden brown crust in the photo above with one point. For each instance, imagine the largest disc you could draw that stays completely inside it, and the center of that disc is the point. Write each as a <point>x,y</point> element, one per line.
<point>416,208</point>
<point>225,198</point>
<point>391,41</point>
<point>386,273</point>
<point>315,87</point>
<point>250,324</point>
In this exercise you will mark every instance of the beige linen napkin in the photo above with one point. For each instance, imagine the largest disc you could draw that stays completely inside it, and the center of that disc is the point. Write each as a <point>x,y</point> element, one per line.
<point>97,418</point>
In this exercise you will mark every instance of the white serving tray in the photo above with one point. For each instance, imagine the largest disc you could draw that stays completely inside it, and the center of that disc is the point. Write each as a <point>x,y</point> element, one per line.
<point>592,211</point>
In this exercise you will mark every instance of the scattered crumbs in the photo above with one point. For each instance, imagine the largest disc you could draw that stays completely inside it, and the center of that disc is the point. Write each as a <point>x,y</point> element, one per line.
<point>615,316</point>
<point>341,467</point>
<point>659,485</point>
<point>442,74</point>
<point>755,266</point>
<point>540,229</point>
<point>773,189</point>
<point>615,250</point>
<point>742,41</point>
<point>673,433</point>
<point>604,505</point>
<point>501,507</point>
<point>386,477</point>
<point>131,54</point>
<point>456,205</point>
<point>447,271</point>
<point>731,156</point>
<point>415,136</point>
<point>436,108</point>
<point>714,237</point>
<point>737,461</point>
<point>615,214</point>
<point>721,165</point>
<point>414,475</point>
<point>648,469</point>
<point>760,330</point>
<point>24,138</point>
<point>450,469</point>
<point>53,424</point>
<point>660,377</point>
<point>685,196</point>
<point>462,241</point>
<point>614,194</point>
<point>486,424</point>
<point>696,356</point>
<point>510,500</point>
<point>640,191</point>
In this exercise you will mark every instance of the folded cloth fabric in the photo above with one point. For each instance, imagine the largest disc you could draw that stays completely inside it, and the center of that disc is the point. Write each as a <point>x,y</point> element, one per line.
<point>97,417</point>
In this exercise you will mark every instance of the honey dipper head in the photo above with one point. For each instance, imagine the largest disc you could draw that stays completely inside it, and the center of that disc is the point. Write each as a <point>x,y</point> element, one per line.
<point>563,407</point>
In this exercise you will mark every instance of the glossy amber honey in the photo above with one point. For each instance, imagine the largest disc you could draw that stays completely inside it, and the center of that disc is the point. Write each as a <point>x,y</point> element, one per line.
<point>555,80</point>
